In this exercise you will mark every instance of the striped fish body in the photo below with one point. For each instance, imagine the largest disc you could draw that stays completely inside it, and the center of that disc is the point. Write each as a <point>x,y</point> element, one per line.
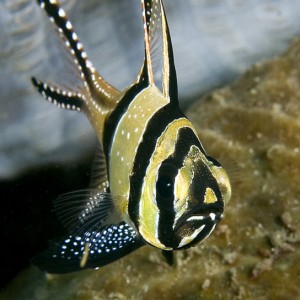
<point>157,185</point>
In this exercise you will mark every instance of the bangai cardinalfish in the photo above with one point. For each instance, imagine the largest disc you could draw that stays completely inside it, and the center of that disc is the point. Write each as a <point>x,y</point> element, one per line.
<point>156,184</point>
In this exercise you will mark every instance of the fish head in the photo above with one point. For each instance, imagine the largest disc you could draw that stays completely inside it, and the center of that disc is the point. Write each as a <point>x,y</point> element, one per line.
<point>201,190</point>
<point>185,192</point>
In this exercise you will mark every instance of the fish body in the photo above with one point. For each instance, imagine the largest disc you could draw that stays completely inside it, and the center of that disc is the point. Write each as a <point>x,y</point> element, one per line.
<point>155,185</point>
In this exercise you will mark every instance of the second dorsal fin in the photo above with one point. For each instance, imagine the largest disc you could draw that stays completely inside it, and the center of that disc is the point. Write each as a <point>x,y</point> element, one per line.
<point>94,85</point>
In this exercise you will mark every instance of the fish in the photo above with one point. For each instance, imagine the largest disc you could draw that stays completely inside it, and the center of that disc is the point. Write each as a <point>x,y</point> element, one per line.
<point>154,183</point>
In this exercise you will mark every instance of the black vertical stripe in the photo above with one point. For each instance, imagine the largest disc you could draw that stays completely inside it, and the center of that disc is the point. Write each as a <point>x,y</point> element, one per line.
<point>153,131</point>
<point>186,138</point>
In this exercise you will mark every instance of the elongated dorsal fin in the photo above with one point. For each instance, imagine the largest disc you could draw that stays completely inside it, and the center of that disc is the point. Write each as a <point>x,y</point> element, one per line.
<point>158,49</point>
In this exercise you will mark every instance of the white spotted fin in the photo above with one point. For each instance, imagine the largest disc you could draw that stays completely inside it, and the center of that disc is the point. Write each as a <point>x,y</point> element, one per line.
<point>92,249</point>
<point>97,235</point>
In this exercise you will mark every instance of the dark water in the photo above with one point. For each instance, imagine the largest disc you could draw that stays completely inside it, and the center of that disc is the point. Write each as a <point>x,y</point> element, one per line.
<point>27,216</point>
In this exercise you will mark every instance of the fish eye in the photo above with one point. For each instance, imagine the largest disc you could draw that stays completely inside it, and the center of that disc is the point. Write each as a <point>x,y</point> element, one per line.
<point>165,186</point>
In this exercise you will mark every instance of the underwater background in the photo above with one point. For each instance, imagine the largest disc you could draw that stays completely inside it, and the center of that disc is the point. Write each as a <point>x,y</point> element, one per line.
<point>252,126</point>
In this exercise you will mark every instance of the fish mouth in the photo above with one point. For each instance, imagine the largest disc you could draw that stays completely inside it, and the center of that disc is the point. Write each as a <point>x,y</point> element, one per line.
<point>196,227</point>
<point>201,216</point>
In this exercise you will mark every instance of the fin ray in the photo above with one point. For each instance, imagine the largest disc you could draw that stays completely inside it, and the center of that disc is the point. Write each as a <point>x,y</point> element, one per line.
<point>98,177</point>
<point>86,210</point>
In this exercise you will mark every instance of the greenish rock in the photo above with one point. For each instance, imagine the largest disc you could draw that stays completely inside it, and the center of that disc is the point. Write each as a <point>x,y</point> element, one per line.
<point>253,128</point>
